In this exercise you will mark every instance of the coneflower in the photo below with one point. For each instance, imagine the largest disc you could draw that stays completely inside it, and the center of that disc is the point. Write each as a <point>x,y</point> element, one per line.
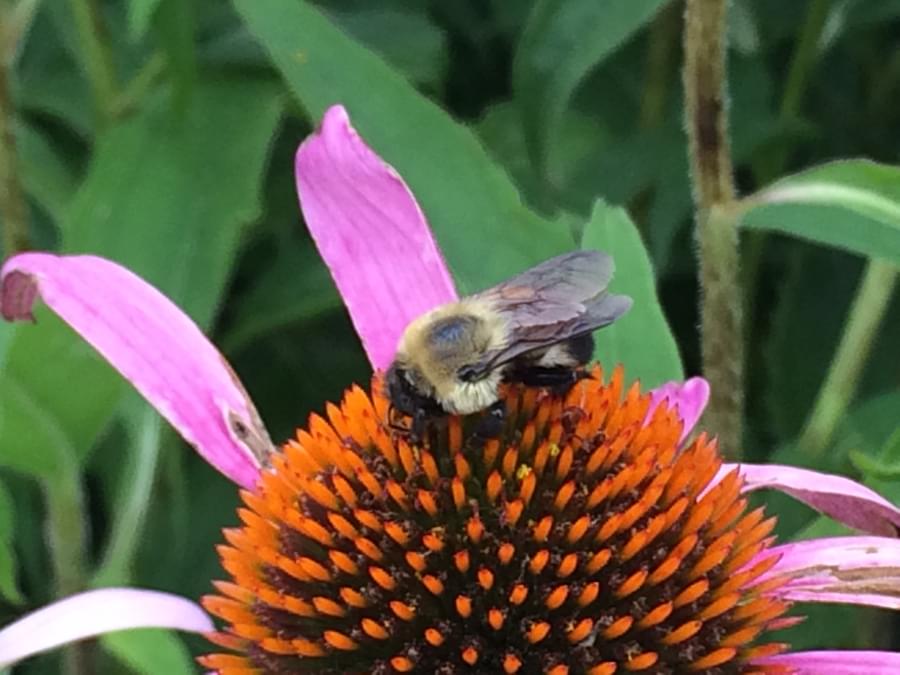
<point>584,538</point>
<point>581,540</point>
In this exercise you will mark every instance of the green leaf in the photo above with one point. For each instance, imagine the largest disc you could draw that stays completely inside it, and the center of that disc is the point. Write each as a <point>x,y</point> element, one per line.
<point>175,25</point>
<point>294,288</point>
<point>408,40</point>
<point>167,195</point>
<point>641,340</point>
<point>849,204</point>
<point>563,41</point>
<point>9,589</point>
<point>150,651</point>
<point>46,176</point>
<point>32,440</point>
<point>870,436</point>
<point>465,196</point>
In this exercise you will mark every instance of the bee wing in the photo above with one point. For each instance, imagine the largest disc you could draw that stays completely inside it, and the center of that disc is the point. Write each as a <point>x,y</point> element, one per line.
<point>561,298</point>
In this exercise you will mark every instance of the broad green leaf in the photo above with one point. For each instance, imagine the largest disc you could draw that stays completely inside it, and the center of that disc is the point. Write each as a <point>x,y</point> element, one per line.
<point>849,204</point>
<point>175,25</point>
<point>46,176</point>
<point>641,340</point>
<point>167,195</point>
<point>408,40</point>
<point>296,287</point>
<point>150,651</point>
<point>563,41</point>
<point>467,199</point>
<point>32,440</point>
<point>9,590</point>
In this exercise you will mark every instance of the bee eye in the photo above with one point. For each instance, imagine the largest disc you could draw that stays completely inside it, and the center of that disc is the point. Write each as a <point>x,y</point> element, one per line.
<point>467,373</point>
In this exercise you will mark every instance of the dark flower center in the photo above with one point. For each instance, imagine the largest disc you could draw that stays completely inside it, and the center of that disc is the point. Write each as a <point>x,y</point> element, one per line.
<point>581,540</point>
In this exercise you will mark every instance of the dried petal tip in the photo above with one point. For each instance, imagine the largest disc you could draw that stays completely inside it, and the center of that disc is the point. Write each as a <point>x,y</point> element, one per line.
<point>371,233</point>
<point>153,344</point>
<point>580,540</point>
<point>17,295</point>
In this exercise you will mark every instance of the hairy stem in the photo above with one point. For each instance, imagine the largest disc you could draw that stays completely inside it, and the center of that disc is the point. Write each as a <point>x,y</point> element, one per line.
<point>713,189</point>
<point>96,57</point>
<point>13,208</point>
<point>837,391</point>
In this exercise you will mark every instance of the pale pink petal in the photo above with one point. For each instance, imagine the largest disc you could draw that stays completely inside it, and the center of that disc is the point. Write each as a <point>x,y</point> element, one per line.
<point>842,662</point>
<point>853,570</point>
<point>688,397</point>
<point>371,233</point>
<point>842,499</point>
<point>151,343</point>
<point>94,613</point>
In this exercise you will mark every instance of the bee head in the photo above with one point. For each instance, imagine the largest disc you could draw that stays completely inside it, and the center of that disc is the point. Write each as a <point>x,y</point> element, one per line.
<point>438,354</point>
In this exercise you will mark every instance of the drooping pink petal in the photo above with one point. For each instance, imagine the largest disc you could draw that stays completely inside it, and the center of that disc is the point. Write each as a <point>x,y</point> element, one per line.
<point>842,662</point>
<point>94,613</point>
<point>688,397</point>
<point>842,499</point>
<point>371,233</point>
<point>153,344</point>
<point>854,570</point>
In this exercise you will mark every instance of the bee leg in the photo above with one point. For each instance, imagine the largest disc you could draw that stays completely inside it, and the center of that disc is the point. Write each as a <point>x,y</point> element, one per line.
<point>559,380</point>
<point>490,424</point>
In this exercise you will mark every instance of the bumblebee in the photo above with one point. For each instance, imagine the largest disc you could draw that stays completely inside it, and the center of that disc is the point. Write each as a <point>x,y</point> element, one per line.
<point>534,329</point>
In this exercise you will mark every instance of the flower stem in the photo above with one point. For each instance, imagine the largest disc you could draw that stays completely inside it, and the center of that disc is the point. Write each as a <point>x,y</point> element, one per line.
<point>661,44</point>
<point>131,512</point>
<point>13,208</point>
<point>837,391</point>
<point>97,59</point>
<point>770,165</point>
<point>66,520</point>
<point>714,193</point>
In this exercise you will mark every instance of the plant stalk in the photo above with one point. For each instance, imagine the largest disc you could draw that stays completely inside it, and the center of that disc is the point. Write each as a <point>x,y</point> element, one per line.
<point>836,393</point>
<point>97,58</point>
<point>66,540</point>
<point>13,207</point>
<point>706,112</point>
<point>769,166</point>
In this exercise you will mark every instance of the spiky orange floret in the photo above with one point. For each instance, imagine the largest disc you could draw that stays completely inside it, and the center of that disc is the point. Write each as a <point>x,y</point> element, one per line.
<point>579,540</point>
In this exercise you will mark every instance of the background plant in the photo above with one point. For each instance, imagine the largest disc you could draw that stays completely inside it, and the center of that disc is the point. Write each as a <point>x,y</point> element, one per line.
<point>161,133</point>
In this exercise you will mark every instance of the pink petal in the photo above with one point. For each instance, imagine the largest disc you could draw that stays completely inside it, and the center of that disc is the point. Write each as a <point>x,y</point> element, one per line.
<point>371,233</point>
<point>842,499</point>
<point>93,613</point>
<point>854,570</point>
<point>688,397</point>
<point>153,344</point>
<point>843,662</point>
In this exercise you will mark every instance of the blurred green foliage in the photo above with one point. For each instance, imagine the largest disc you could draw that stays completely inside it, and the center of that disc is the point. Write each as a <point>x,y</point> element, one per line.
<point>161,133</point>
